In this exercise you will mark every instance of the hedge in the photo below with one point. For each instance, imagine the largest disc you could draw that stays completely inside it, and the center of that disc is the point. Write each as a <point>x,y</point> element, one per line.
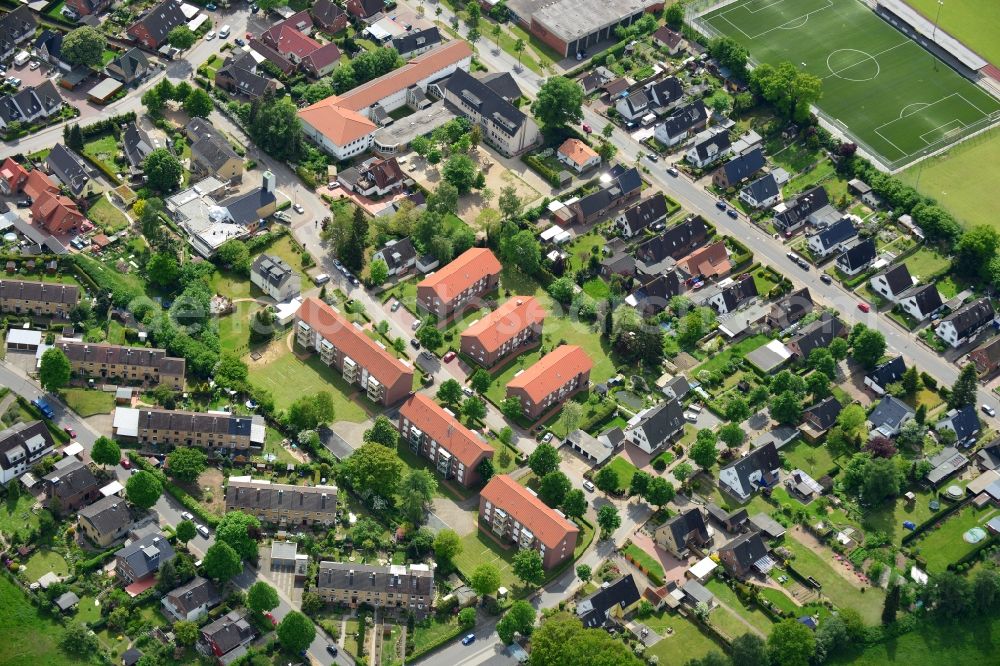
<point>543,169</point>
<point>930,522</point>
<point>179,494</point>
<point>96,561</point>
<point>112,124</point>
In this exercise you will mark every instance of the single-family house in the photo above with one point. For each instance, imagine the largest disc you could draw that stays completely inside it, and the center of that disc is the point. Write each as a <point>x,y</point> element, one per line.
<point>921,301</point>
<point>653,427</point>
<point>684,531</point>
<point>374,178</point>
<point>130,67</point>
<point>136,145</point>
<point>633,106</point>
<point>857,258</point>
<point>272,275</point>
<point>988,457</point>
<point>211,153</point>
<point>398,254</point>
<point>735,295</point>
<point>964,422</point>
<point>709,261</point>
<point>672,41</point>
<point>662,252</point>
<point>790,309</point>
<point>832,239</point>
<point>76,175</point>
<point>986,357</point>
<point>364,9</point>
<point>610,602</point>
<point>329,15</point>
<point>654,296</point>
<point>69,488</point>
<point>865,192</point>
<point>739,169</point>
<point>889,416</point>
<point>415,42</point>
<point>884,374</point>
<point>945,464</point>
<point>239,74</point>
<point>745,555</point>
<point>709,147</point>
<point>644,214</point>
<point>821,416</point>
<point>21,447</point>
<point>152,28</point>
<point>48,47</point>
<point>625,185</point>
<point>577,155</point>
<point>192,601</point>
<point>227,638</point>
<point>30,105</point>
<point>819,333</point>
<point>681,124</point>
<point>964,324</point>
<point>665,93</point>
<point>141,559</point>
<point>757,469</point>
<point>106,520</point>
<point>796,212</point>
<point>761,193</point>
<point>16,27</point>
<point>891,283</point>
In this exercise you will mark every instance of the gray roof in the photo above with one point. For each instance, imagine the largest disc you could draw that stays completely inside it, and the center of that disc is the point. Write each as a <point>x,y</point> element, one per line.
<point>503,84</point>
<point>799,208</point>
<point>487,103</point>
<point>666,91</point>
<point>733,518</point>
<point>819,333</point>
<point>194,594</point>
<point>840,231</point>
<point>146,555</point>
<point>947,462</point>
<point>136,144</point>
<point>398,253</point>
<point>888,372</point>
<point>739,292</point>
<point>859,255</point>
<point>67,600</point>
<point>210,149</point>
<point>43,98</point>
<point>971,316</point>
<point>593,446</point>
<point>368,577</point>
<point>675,242</point>
<point>964,421</point>
<point>989,455</point>
<point>926,296</point>
<point>272,269</point>
<point>573,19</point>
<point>890,412</point>
<point>623,183</point>
<point>747,550</point>
<point>646,212</point>
<point>229,632</point>
<point>71,480</point>
<point>14,25</point>
<point>825,412</point>
<point>767,525</point>
<point>898,278</point>
<point>593,610</point>
<point>654,296</point>
<point>26,440</point>
<point>243,207</point>
<point>661,421</point>
<point>416,39</point>
<point>698,592</point>
<point>761,459</point>
<point>277,496</point>
<point>220,424</point>
<point>131,64</point>
<point>685,118</point>
<point>69,168</point>
<point>744,166</point>
<point>161,19</point>
<point>107,515</point>
<point>688,526</point>
<point>719,140</point>
<point>792,307</point>
<point>51,41</point>
<point>763,188</point>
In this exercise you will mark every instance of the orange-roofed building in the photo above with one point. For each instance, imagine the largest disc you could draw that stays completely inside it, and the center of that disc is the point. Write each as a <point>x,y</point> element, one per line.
<point>333,123</point>
<point>455,451</point>
<point>514,514</point>
<point>57,213</point>
<point>383,377</point>
<point>578,155</point>
<point>514,325</point>
<point>710,261</point>
<point>12,177</point>
<point>452,288</point>
<point>37,183</point>
<point>555,378</point>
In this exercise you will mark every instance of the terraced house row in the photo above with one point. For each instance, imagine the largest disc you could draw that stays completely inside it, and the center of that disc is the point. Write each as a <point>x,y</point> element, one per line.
<point>384,378</point>
<point>38,298</point>
<point>394,586</point>
<point>282,504</point>
<point>216,431</point>
<point>133,365</point>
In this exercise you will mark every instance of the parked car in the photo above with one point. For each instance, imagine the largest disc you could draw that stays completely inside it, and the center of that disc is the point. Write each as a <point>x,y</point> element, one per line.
<point>239,42</point>
<point>298,208</point>
<point>449,357</point>
<point>211,7</point>
<point>332,649</point>
<point>69,431</point>
<point>586,128</point>
<point>209,35</point>
<point>270,617</point>
<point>673,172</point>
<point>34,65</point>
<point>468,640</point>
<point>468,391</point>
<point>332,185</point>
<point>732,213</point>
<point>864,307</point>
<point>322,278</point>
<point>126,463</point>
<point>415,325</point>
<point>202,530</point>
<point>989,410</point>
<point>653,157</point>
<point>547,438</point>
<point>415,343</point>
<point>826,279</point>
<point>721,205</point>
<point>186,515</point>
<point>355,281</point>
<point>588,486</point>
<point>395,306</point>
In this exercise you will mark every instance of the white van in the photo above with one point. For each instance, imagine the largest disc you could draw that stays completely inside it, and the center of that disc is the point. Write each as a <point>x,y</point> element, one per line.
<point>322,278</point>
<point>21,59</point>
<point>224,32</point>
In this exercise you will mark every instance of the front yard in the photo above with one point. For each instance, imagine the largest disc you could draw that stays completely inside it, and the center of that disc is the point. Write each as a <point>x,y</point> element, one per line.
<point>88,402</point>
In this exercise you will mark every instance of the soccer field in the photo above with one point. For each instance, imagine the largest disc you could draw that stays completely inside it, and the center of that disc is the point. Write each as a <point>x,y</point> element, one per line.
<point>887,92</point>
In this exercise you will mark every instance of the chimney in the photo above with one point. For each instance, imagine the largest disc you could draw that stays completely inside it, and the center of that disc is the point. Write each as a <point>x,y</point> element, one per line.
<point>269,182</point>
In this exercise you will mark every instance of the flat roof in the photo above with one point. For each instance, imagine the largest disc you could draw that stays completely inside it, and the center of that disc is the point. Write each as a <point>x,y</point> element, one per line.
<point>770,356</point>
<point>572,19</point>
<point>20,336</point>
<point>105,88</point>
<point>126,422</point>
<point>405,130</point>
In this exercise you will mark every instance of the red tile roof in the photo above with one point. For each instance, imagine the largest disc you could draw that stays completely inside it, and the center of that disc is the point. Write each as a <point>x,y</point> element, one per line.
<point>382,365</point>
<point>709,260</point>
<point>289,40</point>
<point>505,322</point>
<point>445,429</point>
<point>548,526</point>
<point>577,151</point>
<point>464,271</point>
<point>37,183</point>
<point>552,371</point>
<point>13,174</point>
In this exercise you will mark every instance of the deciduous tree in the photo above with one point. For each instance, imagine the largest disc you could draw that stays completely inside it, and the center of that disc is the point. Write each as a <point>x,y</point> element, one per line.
<point>54,370</point>
<point>608,520</point>
<point>543,460</point>
<point>295,632</point>
<point>261,597</point>
<point>519,619</point>
<point>241,531</point>
<point>527,565</point>
<point>105,451</point>
<point>553,487</point>
<point>221,562</point>
<point>143,489</point>
<point>485,579</point>
<point>163,171</point>
<point>83,46</point>
<point>559,103</point>
<point>186,463</point>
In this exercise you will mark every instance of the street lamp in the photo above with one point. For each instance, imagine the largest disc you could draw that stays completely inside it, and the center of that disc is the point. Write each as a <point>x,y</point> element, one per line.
<point>936,17</point>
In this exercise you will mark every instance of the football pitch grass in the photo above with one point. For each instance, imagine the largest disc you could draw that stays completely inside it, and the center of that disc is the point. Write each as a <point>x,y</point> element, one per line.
<point>893,97</point>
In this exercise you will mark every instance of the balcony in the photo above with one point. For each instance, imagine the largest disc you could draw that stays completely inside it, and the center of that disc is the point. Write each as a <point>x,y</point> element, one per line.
<point>375,390</point>
<point>352,371</point>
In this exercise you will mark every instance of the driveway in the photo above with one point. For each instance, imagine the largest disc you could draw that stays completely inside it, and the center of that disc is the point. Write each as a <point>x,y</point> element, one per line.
<point>673,568</point>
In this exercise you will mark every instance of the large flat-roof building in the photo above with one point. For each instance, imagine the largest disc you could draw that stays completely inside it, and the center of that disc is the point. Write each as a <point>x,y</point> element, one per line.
<point>130,365</point>
<point>360,360</point>
<point>455,451</point>
<point>515,514</point>
<point>283,504</point>
<point>572,26</point>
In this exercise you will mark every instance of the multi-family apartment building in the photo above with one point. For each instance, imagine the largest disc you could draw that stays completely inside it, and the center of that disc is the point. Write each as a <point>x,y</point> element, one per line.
<point>383,378</point>
<point>504,125</point>
<point>38,298</point>
<point>21,446</point>
<point>514,514</point>
<point>216,431</point>
<point>273,276</point>
<point>555,378</point>
<point>283,504</point>
<point>130,365</point>
<point>473,273</point>
<point>515,324</point>
<point>408,588</point>
<point>430,431</point>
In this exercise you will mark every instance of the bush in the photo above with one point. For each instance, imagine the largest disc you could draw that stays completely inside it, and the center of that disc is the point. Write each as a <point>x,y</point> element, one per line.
<point>659,464</point>
<point>112,124</point>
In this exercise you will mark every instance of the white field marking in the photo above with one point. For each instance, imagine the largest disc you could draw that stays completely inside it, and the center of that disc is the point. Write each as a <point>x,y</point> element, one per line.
<point>901,151</point>
<point>878,130</point>
<point>922,105</point>
<point>873,56</point>
<point>787,25</point>
<point>923,137</point>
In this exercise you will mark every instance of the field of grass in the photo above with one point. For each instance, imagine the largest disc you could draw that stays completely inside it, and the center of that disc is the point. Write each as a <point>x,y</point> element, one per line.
<point>972,640</point>
<point>944,545</point>
<point>754,615</point>
<point>931,104</point>
<point>975,23</point>
<point>813,460</point>
<point>44,561</point>
<point>17,516</point>
<point>647,562</point>
<point>87,610</point>
<point>839,590</point>
<point>234,328</point>
<point>957,178</point>
<point>685,640</point>
<point>625,471</point>
<point>87,402</point>
<point>596,288</point>
<point>926,262</point>
<point>106,216</point>
<point>309,376</point>
<point>477,548</point>
<point>103,149</point>
<point>27,638</point>
<point>740,349</point>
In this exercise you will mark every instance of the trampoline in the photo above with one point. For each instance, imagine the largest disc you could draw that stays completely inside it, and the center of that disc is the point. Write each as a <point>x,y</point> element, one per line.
<point>974,535</point>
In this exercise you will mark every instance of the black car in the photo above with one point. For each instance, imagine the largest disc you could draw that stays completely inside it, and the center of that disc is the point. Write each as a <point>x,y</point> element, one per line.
<point>732,213</point>
<point>24,203</point>
<point>240,42</point>
<point>332,649</point>
<point>721,205</point>
<point>415,343</point>
<point>826,279</point>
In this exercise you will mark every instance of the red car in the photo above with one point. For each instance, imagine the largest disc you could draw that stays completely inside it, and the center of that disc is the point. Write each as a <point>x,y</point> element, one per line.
<point>270,617</point>
<point>249,35</point>
<point>448,357</point>
<point>587,128</point>
<point>69,431</point>
<point>126,463</point>
<point>864,307</point>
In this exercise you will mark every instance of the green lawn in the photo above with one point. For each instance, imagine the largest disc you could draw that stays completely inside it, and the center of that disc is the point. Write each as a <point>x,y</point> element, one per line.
<point>837,588</point>
<point>435,633</point>
<point>625,470</point>
<point>927,262</point>
<point>976,23</point>
<point>106,216</point>
<point>646,562</point>
<point>17,516</point>
<point>931,105</point>
<point>234,328</point>
<point>307,377</point>
<point>231,285</point>
<point>753,615</point>
<point>272,446</point>
<point>87,402</point>
<point>477,548</point>
<point>87,611</point>
<point>682,639</point>
<point>738,350</point>
<point>104,149</point>
<point>27,637</point>
<point>116,332</point>
<point>957,178</point>
<point>44,561</point>
<point>815,461</point>
<point>596,288</point>
<point>582,247</point>
<point>944,545</point>
<point>971,640</point>
<point>781,600</point>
